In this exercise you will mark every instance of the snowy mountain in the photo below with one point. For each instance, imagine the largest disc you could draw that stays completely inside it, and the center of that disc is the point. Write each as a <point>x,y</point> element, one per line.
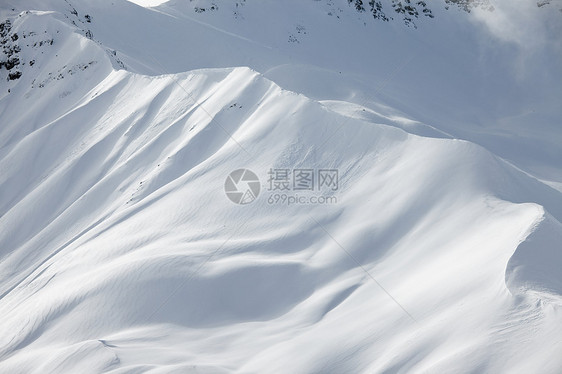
<point>279,187</point>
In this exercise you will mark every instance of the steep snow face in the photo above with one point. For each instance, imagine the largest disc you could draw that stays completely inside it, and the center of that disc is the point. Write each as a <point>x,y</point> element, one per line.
<point>492,78</point>
<point>120,251</point>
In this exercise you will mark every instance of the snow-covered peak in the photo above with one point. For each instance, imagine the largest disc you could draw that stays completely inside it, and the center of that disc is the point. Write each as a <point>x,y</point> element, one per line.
<point>392,214</point>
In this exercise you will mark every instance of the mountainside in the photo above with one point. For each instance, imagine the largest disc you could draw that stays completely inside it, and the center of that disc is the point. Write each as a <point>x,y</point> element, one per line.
<point>426,240</point>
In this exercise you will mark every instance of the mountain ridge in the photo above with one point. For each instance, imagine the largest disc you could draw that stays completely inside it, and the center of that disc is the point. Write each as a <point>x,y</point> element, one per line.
<point>120,251</point>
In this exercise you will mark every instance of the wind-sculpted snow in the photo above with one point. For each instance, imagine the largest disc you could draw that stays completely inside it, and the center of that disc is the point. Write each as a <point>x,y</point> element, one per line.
<point>120,251</point>
<point>535,266</point>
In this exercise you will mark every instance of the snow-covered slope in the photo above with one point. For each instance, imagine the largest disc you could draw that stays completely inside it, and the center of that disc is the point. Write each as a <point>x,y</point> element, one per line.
<point>120,252</point>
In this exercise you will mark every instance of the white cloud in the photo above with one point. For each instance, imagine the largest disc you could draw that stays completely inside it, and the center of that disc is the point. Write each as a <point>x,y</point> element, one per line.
<point>523,23</point>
